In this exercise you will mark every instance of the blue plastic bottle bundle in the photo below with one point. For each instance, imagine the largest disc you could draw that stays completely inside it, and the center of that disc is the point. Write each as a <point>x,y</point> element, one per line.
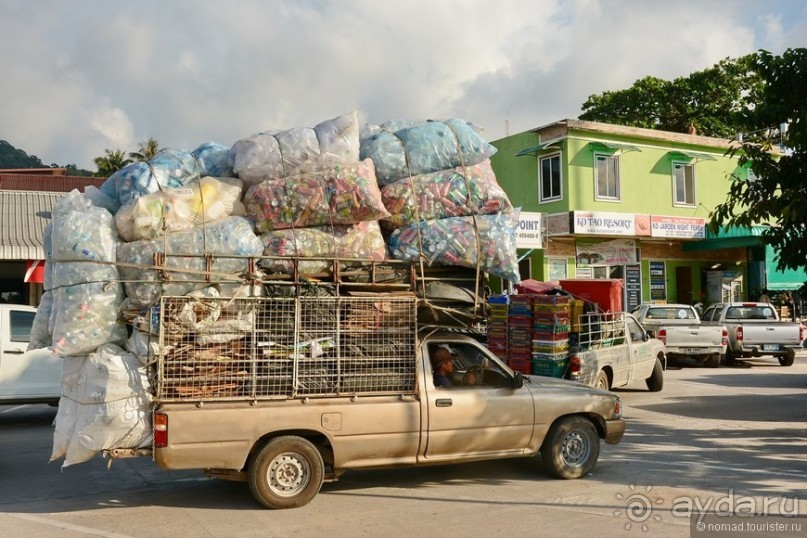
<point>86,317</point>
<point>358,241</point>
<point>342,194</point>
<point>226,239</point>
<point>279,154</point>
<point>456,192</point>
<point>170,168</point>
<point>423,148</point>
<point>453,241</point>
<point>214,160</point>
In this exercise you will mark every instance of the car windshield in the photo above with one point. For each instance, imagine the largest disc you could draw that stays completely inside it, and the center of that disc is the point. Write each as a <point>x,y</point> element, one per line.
<point>751,312</point>
<point>669,313</point>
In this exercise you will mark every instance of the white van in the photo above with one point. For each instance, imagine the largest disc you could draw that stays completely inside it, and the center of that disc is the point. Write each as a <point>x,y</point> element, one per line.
<point>25,376</point>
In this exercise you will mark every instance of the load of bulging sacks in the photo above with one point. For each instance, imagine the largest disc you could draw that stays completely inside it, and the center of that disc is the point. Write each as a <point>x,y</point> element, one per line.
<point>412,191</point>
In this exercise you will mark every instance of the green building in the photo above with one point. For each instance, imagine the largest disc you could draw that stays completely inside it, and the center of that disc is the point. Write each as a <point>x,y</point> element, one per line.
<point>633,204</point>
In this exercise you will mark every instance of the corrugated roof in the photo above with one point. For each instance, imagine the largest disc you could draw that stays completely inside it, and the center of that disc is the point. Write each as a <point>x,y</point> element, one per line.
<point>23,217</point>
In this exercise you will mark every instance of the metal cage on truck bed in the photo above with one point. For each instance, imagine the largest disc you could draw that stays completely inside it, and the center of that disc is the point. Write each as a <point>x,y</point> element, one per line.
<point>253,348</point>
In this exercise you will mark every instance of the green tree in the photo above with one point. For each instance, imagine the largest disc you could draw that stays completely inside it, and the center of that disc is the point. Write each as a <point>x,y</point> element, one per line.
<point>777,156</point>
<point>708,102</point>
<point>111,162</point>
<point>146,150</point>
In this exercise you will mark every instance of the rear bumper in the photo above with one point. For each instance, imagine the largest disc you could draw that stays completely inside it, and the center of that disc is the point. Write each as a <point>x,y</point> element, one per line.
<point>614,429</point>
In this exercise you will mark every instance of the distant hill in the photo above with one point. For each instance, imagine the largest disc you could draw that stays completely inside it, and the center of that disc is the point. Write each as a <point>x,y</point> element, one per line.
<point>11,157</point>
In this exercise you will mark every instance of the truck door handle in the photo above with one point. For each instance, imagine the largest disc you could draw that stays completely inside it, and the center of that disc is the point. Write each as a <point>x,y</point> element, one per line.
<point>15,352</point>
<point>443,402</point>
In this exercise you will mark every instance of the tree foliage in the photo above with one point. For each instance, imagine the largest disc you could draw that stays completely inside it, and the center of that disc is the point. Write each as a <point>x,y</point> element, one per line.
<point>778,158</point>
<point>708,102</point>
<point>111,161</point>
<point>146,150</point>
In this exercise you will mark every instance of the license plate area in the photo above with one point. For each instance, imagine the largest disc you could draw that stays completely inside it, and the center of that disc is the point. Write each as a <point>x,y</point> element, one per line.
<point>770,347</point>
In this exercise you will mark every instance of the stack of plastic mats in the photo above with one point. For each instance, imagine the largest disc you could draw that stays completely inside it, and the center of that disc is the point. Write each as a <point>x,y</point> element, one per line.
<point>550,337</point>
<point>497,325</point>
<point>519,322</point>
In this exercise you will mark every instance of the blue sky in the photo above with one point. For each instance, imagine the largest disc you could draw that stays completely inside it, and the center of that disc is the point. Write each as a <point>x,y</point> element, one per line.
<point>86,75</point>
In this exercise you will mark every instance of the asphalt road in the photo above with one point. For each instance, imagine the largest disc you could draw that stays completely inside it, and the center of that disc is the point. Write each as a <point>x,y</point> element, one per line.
<point>713,437</point>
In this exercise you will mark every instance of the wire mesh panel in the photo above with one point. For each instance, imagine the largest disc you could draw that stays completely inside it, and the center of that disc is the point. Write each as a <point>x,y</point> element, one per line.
<point>599,330</point>
<point>282,347</point>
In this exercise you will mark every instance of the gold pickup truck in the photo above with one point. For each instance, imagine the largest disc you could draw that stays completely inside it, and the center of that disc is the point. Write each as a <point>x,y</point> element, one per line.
<point>317,387</point>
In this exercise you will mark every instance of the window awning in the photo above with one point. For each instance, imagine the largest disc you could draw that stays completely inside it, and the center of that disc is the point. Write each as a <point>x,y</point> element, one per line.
<point>788,280</point>
<point>727,238</point>
<point>698,156</point>
<point>539,147</point>
<point>604,146</point>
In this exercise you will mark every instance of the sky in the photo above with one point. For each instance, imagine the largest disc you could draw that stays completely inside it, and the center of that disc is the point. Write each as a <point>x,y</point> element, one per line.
<point>82,76</point>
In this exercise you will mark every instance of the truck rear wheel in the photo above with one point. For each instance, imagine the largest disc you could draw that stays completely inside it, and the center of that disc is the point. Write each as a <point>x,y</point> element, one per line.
<point>713,361</point>
<point>656,380</point>
<point>602,381</point>
<point>571,448</point>
<point>287,472</point>
<point>788,359</point>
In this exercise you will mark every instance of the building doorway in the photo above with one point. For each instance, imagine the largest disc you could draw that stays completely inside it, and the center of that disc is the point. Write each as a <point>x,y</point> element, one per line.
<point>683,285</point>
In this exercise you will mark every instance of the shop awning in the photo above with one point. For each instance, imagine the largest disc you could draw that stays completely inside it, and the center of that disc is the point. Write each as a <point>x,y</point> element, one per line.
<point>540,147</point>
<point>788,280</point>
<point>727,238</point>
<point>698,156</point>
<point>602,146</point>
<point>23,217</point>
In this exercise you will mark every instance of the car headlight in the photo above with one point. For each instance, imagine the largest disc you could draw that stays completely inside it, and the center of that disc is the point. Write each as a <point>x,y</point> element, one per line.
<point>617,408</point>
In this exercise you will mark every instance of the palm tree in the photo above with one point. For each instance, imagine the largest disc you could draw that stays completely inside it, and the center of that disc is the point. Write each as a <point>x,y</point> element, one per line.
<point>111,162</point>
<point>146,151</point>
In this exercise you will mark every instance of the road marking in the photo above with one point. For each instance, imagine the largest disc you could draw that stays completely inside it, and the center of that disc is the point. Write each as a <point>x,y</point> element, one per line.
<point>790,474</point>
<point>67,526</point>
<point>16,408</point>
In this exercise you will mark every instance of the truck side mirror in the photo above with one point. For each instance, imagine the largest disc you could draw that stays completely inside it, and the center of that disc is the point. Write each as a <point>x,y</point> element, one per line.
<point>518,381</point>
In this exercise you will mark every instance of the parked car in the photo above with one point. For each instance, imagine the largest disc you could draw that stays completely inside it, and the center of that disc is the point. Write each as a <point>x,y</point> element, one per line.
<point>754,330</point>
<point>25,376</point>
<point>681,330</point>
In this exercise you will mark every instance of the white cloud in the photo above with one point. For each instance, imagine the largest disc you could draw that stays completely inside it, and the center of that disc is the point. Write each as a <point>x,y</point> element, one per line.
<point>88,75</point>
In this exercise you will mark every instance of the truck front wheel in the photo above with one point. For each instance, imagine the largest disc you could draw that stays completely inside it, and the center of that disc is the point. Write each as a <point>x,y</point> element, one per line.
<point>287,472</point>
<point>571,448</point>
<point>656,380</point>
<point>788,359</point>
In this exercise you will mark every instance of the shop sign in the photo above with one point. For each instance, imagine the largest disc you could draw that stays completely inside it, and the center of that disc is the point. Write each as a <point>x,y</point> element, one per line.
<point>601,223</point>
<point>613,252</point>
<point>528,230</point>
<point>678,227</point>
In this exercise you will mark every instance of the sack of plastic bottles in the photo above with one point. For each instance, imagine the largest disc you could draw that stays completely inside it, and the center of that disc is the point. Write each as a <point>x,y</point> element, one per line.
<point>453,241</point>
<point>40,329</point>
<point>171,210</point>
<point>86,317</point>
<point>277,154</point>
<point>106,405</point>
<point>81,231</point>
<point>228,240</point>
<point>362,241</point>
<point>214,160</point>
<point>422,148</point>
<point>170,168</point>
<point>343,194</point>
<point>457,192</point>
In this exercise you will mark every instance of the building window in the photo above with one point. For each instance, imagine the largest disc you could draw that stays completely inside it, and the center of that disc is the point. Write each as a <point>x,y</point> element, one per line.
<point>550,184</point>
<point>684,184</point>
<point>606,177</point>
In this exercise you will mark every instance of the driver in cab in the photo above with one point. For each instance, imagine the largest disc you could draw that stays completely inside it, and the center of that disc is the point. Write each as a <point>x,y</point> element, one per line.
<point>443,366</point>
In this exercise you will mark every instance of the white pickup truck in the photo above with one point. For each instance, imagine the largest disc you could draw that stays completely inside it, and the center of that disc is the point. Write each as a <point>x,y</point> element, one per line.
<point>754,330</point>
<point>681,330</point>
<point>25,376</point>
